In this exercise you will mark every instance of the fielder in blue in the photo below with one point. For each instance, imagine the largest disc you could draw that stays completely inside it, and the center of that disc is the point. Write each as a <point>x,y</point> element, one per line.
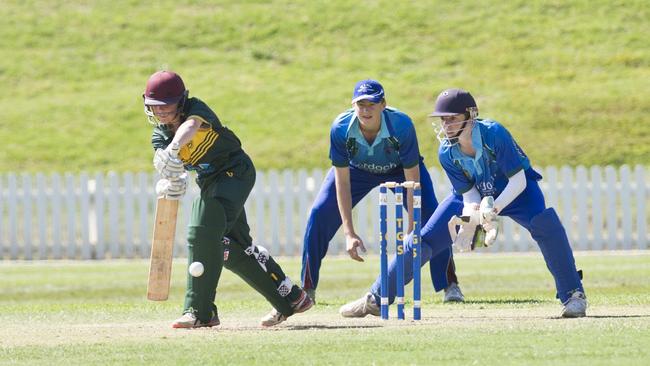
<point>370,144</point>
<point>482,160</point>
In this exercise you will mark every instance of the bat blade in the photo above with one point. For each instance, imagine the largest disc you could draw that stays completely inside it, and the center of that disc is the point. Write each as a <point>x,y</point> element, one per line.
<point>162,246</point>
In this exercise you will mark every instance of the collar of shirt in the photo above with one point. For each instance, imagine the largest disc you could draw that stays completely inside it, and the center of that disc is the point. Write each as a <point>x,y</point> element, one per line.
<point>354,131</point>
<point>477,144</point>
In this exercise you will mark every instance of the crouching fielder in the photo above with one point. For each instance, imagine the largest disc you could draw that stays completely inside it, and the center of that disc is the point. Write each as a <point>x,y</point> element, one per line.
<point>481,159</point>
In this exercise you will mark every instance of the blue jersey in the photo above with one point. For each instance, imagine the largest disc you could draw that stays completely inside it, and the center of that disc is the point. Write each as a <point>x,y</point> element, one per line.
<point>497,158</point>
<point>395,147</point>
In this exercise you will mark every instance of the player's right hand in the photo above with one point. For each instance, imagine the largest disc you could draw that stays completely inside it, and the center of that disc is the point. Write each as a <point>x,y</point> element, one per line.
<point>468,222</point>
<point>465,237</point>
<point>352,243</point>
<point>172,188</point>
<point>167,165</point>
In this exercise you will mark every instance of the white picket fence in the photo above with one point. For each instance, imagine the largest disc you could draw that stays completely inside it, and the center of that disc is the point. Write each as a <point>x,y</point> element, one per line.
<point>104,216</point>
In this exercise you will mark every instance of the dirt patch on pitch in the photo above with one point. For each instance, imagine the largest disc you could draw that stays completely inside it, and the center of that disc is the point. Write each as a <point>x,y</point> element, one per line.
<point>544,317</point>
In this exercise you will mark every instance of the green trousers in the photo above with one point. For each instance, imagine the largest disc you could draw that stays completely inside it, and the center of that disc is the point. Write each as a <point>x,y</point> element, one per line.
<point>218,235</point>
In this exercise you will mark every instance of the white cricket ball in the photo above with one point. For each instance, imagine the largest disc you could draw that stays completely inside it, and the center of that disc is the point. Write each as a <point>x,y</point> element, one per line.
<point>196,269</point>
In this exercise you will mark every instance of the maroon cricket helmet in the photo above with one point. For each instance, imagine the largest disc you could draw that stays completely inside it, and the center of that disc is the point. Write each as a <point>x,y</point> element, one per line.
<point>163,88</point>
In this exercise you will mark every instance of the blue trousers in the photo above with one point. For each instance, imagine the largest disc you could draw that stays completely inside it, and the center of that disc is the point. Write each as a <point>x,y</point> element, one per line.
<point>528,210</point>
<point>325,219</point>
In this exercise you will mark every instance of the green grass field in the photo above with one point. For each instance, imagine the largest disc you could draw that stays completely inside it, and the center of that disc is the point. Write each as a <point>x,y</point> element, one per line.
<point>83,313</point>
<point>568,78</point>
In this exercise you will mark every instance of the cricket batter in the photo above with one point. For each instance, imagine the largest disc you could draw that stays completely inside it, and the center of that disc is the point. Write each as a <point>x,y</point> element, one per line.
<point>218,233</point>
<point>370,143</point>
<point>482,159</point>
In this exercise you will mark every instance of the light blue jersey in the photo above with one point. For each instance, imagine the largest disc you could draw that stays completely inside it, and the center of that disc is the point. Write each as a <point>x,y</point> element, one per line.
<point>395,146</point>
<point>498,157</point>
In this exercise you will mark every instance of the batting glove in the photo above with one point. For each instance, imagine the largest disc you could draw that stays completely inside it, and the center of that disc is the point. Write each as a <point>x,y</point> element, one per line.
<point>172,188</point>
<point>167,162</point>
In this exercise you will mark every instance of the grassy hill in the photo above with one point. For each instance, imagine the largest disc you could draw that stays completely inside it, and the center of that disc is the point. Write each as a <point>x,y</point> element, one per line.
<point>569,79</point>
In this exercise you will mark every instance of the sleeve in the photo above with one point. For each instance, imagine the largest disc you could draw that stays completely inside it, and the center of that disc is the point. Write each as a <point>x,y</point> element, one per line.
<point>200,119</point>
<point>472,196</point>
<point>516,185</point>
<point>338,150</point>
<point>202,112</point>
<point>409,151</point>
<point>158,140</point>
<point>459,180</point>
<point>509,156</point>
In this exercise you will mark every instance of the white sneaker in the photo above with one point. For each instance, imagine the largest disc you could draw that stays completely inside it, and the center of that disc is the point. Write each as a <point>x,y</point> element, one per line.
<point>189,320</point>
<point>576,306</point>
<point>274,317</point>
<point>453,293</point>
<point>360,308</point>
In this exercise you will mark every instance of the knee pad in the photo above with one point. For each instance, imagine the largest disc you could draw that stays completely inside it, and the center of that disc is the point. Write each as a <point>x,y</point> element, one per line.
<point>284,289</point>
<point>257,268</point>
<point>260,254</point>
<point>263,258</point>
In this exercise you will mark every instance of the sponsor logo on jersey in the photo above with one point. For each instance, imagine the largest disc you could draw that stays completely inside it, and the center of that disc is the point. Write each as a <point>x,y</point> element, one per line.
<point>486,188</point>
<point>375,168</point>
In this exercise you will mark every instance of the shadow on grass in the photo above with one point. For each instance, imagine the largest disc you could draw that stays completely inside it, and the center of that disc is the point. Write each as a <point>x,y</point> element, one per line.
<point>617,316</point>
<point>505,301</point>
<point>324,326</point>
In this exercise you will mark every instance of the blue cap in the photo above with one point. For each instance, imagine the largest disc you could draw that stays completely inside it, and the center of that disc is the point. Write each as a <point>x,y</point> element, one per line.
<point>369,90</point>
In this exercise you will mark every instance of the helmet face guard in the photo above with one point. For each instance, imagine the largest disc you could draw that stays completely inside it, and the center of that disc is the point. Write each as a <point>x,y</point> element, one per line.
<point>453,102</point>
<point>449,139</point>
<point>164,88</point>
<point>153,119</point>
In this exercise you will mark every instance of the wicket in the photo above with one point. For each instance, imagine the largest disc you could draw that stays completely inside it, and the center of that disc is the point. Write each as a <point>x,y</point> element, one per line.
<point>400,241</point>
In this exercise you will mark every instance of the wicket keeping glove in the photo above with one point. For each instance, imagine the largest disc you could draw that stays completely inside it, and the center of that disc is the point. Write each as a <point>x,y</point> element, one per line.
<point>469,223</point>
<point>172,188</point>
<point>488,220</point>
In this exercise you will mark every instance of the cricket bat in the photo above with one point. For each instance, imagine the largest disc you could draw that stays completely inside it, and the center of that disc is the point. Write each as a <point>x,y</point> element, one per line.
<point>162,245</point>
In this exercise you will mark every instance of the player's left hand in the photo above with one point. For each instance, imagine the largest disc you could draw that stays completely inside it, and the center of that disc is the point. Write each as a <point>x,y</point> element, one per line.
<point>167,165</point>
<point>488,219</point>
<point>468,222</point>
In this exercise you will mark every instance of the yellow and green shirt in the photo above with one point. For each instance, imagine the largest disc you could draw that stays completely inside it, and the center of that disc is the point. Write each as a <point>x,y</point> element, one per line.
<point>214,148</point>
